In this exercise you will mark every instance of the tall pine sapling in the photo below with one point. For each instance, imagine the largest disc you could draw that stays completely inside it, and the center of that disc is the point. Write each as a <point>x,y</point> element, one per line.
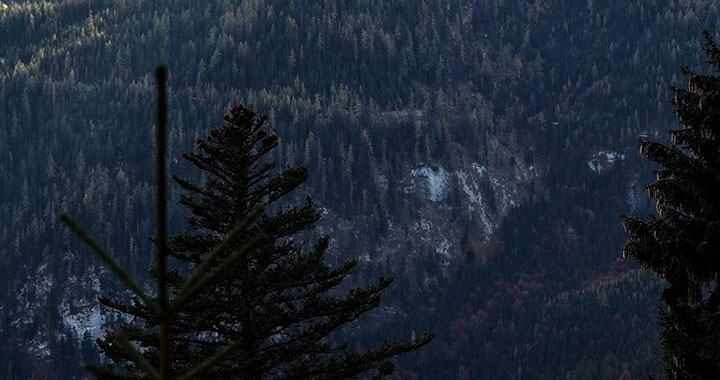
<point>160,310</point>
<point>682,242</point>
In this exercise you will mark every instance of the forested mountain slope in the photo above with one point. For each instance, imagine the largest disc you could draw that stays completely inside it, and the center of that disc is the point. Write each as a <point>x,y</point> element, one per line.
<point>479,151</point>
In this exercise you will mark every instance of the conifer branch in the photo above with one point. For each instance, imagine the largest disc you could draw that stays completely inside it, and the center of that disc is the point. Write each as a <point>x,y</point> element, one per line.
<point>206,364</point>
<point>201,277</point>
<point>229,239</point>
<point>105,372</point>
<point>137,357</point>
<point>113,265</point>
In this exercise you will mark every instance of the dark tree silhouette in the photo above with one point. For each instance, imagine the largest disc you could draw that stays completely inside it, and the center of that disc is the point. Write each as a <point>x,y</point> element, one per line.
<point>682,242</point>
<point>278,305</point>
<point>160,310</point>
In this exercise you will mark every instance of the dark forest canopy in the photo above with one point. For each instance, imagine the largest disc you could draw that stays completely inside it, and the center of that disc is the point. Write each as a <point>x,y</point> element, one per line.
<point>358,92</point>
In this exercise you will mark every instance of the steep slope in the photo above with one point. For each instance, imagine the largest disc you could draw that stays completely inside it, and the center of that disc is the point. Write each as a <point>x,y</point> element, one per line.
<point>478,150</point>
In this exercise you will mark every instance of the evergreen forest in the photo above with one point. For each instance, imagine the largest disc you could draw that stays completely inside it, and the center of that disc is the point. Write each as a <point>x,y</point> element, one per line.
<point>478,151</point>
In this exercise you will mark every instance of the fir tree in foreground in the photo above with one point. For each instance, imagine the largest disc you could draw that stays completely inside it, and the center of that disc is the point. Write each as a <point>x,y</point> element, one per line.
<point>160,309</point>
<point>277,306</point>
<point>682,243</point>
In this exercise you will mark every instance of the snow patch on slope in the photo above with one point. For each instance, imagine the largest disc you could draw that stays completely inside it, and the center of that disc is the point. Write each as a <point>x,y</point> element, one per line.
<point>470,189</point>
<point>33,296</point>
<point>39,348</point>
<point>34,292</point>
<point>434,180</point>
<point>80,315</point>
<point>89,319</point>
<point>432,235</point>
<point>480,169</point>
<point>443,249</point>
<point>487,192</point>
<point>603,159</point>
<point>507,197</point>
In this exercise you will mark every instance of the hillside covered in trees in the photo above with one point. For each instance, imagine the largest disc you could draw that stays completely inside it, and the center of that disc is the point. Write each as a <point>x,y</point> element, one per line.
<point>478,151</point>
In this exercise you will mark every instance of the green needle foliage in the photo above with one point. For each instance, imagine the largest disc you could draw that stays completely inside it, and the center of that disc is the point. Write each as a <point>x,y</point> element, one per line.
<point>681,244</point>
<point>270,305</point>
<point>160,310</point>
